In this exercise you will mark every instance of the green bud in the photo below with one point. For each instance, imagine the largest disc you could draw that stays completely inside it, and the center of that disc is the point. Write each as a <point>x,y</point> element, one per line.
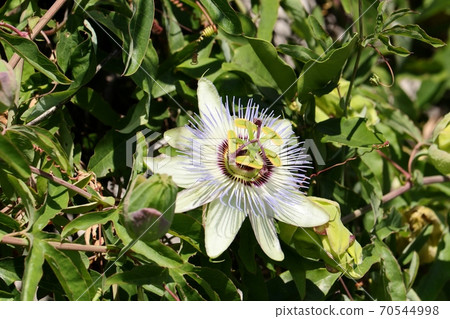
<point>150,206</point>
<point>8,86</point>
<point>439,151</point>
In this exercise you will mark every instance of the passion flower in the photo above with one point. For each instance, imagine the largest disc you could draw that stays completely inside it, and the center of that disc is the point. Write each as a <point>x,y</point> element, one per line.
<point>240,162</point>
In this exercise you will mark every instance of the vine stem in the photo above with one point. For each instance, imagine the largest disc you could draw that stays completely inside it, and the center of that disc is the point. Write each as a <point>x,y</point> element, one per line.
<point>398,167</point>
<point>38,27</point>
<point>174,296</point>
<point>358,57</point>
<point>61,182</point>
<point>395,193</point>
<point>413,155</point>
<point>346,289</point>
<point>60,246</point>
<point>13,28</point>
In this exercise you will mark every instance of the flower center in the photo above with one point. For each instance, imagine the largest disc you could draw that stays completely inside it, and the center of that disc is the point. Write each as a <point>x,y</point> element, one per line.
<point>243,171</point>
<point>246,159</point>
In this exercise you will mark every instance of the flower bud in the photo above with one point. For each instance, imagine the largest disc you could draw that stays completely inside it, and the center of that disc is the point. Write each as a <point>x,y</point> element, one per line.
<point>439,151</point>
<point>8,86</point>
<point>149,207</point>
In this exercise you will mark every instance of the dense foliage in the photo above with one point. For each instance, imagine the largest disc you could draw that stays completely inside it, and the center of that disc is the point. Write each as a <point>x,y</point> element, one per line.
<point>88,88</point>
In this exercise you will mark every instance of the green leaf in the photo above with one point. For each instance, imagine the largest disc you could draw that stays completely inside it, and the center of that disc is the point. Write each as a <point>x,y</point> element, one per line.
<point>370,256</point>
<point>139,30</point>
<point>267,70</point>
<point>185,290</point>
<point>162,255</point>
<point>29,51</point>
<point>415,32</point>
<point>189,229</point>
<point>413,269</point>
<point>14,158</point>
<point>6,220</point>
<point>92,102</point>
<point>46,141</point>
<point>222,14</point>
<point>397,14</point>
<point>321,77</point>
<point>399,121</point>
<point>392,273</point>
<point>56,200</point>
<point>11,269</point>
<point>173,31</point>
<point>215,282</point>
<point>319,33</point>
<point>141,275</point>
<point>80,209</point>
<point>297,271</point>
<point>247,245</point>
<point>392,48</point>
<point>299,52</point>
<point>33,270</point>
<point>371,192</point>
<point>109,155</point>
<point>268,17</point>
<point>437,276</point>
<point>392,223</point>
<point>47,102</point>
<point>299,15</point>
<point>322,279</point>
<point>352,132</point>
<point>85,221</point>
<point>137,116</point>
<point>26,197</point>
<point>416,244</point>
<point>71,274</point>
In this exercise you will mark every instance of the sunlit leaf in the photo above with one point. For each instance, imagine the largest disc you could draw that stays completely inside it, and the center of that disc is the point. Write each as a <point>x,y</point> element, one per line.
<point>29,51</point>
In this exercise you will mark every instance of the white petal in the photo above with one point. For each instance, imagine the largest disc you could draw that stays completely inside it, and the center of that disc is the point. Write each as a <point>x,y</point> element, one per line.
<point>300,211</point>
<point>175,166</point>
<point>178,137</point>
<point>266,236</point>
<point>198,194</point>
<point>283,128</point>
<point>221,226</point>
<point>209,101</point>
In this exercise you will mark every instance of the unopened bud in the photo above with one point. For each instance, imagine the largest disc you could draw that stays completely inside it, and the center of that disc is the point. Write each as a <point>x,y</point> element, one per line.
<point>149,207</point>
<point>8,86</point>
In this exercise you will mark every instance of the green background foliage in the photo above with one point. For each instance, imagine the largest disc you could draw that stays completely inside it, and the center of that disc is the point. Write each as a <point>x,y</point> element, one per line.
<point>104,72</point>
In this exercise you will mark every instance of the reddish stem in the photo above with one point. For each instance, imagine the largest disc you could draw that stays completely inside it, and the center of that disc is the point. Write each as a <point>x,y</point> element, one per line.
<point>398,167</point>
<point>171,293</point>
<point>22,34</point>
<point>413,155</point>
<point>60,246</point>
<point>388,65</point>
<point>345,288</point>
<point>395,193</point>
